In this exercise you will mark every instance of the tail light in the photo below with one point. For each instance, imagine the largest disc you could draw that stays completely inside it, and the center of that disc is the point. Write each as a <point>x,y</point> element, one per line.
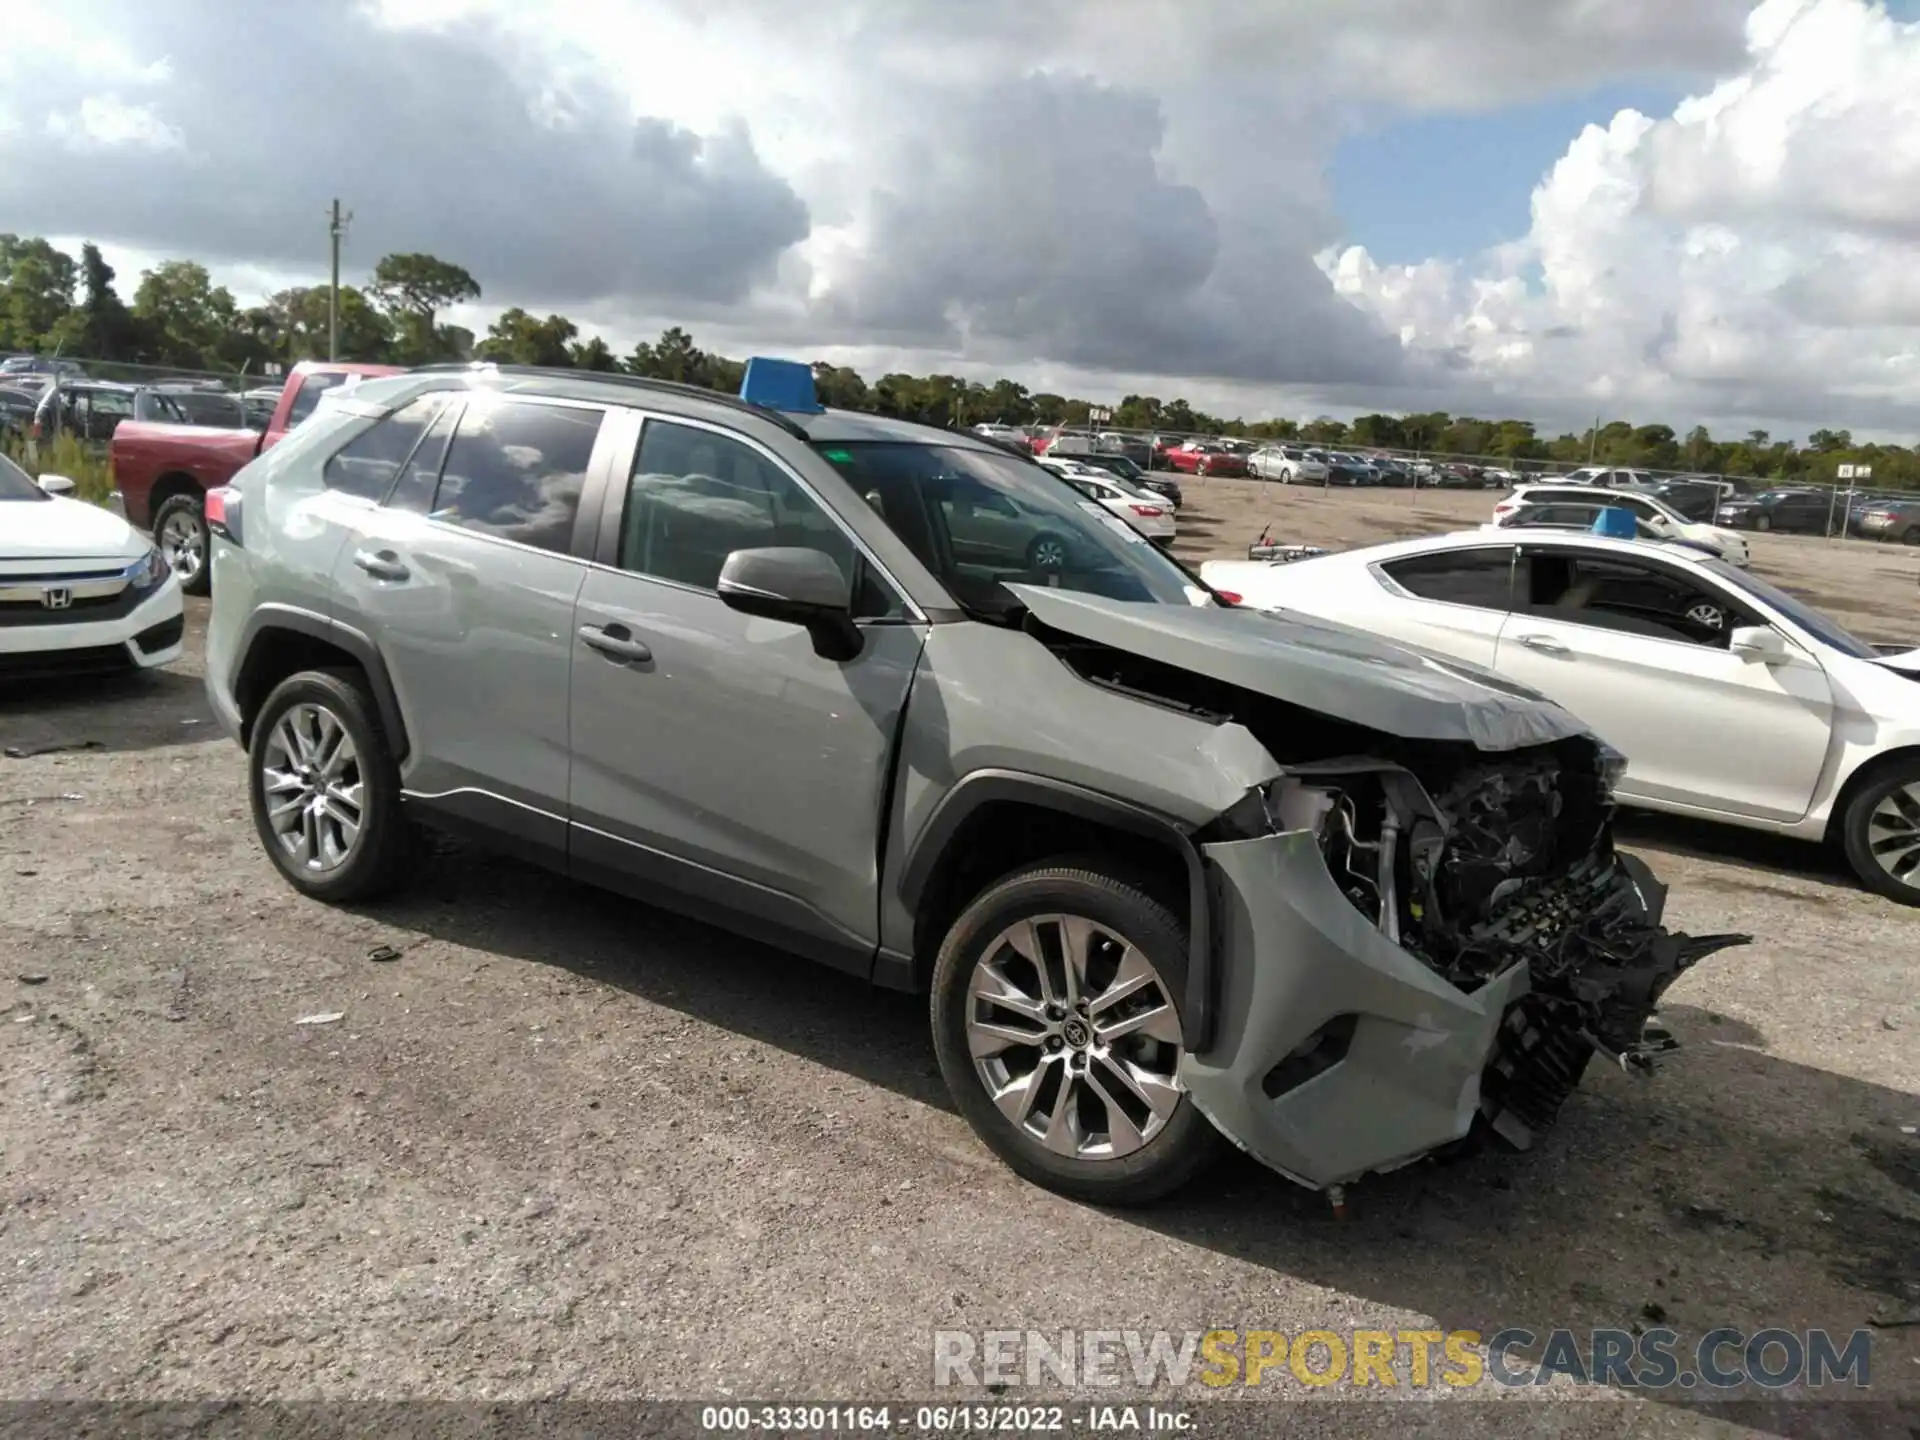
<point>1229,597</point>
<point>222,510</point>
<point>1151,511</point>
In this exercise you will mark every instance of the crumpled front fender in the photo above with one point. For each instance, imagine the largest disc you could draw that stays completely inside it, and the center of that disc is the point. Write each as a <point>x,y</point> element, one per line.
<point>1295,955</point>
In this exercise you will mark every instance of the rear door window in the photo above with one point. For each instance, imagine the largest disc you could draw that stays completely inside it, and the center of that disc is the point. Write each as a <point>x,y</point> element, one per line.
<point>368,464</point>
<point>1482,578</point>
<point>516,470</point>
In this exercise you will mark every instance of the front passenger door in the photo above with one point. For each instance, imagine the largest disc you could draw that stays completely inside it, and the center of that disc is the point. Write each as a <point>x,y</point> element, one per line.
<point>720,765</point>
<point>1638,649</point>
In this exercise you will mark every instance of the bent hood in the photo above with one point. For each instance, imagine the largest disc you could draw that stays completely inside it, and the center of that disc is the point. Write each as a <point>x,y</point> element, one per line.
<point>1320,666</point>
<point>62,529</point>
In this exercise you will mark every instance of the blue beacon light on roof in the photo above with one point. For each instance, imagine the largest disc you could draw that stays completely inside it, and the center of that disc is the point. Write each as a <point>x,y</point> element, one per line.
<point>1616,523</point>
<point>780,385</point>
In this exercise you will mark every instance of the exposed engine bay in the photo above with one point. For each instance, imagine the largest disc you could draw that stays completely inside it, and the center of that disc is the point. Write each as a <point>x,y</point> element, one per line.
<point>1508,860</point>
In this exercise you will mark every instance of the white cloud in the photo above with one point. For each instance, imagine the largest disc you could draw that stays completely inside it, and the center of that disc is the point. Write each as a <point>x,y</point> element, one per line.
<point>106,122</point>
<point>1754,254</point>
<point>1107,195</point>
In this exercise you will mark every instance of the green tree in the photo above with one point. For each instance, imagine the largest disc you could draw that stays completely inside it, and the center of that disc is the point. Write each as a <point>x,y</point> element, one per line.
<point>592,355</point>
<point>411,289</point>
<point>300,318</point>
<point>839,387</point>
<point>36,292</point>
<point>1385,431</point>
<point>183,315</point>
<point>517,338</point>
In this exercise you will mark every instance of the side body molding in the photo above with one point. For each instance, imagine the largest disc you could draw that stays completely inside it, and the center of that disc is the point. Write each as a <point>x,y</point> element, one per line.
<point>986,787</point>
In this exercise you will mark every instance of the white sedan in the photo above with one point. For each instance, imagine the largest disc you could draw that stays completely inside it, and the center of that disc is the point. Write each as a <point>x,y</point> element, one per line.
<point>1659,517</point>
<point>80,589</point>
<point>1731,700</point>
<point>1146,512</point>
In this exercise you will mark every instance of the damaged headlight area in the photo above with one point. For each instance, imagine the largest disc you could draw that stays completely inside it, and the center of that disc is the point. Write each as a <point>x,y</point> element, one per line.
<point>1486,942</point>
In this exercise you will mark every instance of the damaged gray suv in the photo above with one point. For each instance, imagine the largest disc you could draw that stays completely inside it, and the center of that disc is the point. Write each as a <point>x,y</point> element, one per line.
<point>893,699</point>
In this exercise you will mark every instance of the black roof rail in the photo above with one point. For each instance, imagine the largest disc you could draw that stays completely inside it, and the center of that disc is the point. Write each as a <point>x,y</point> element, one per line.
<point>610,377</point>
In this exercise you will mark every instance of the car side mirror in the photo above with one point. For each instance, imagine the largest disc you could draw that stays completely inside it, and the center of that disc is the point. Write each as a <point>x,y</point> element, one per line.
<point>1759,644</point>
<point>797,585</point>
<point>57,485</point>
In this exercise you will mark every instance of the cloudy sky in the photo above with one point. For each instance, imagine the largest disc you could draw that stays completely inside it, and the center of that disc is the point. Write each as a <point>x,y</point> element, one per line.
<point>1649,209</point>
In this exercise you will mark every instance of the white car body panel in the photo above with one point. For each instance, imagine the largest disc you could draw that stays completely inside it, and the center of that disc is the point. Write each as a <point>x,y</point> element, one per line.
<point>60,556</point>
<point>1706,732</point>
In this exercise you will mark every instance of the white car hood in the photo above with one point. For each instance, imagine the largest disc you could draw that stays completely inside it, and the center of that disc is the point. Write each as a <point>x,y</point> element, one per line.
<point>62,529</point>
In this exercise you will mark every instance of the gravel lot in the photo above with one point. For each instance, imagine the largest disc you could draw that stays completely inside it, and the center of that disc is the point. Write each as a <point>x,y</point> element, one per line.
<point>567,1145</point>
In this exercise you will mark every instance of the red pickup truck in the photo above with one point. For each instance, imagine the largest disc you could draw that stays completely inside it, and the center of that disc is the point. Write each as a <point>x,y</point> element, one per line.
<point>163,472</point>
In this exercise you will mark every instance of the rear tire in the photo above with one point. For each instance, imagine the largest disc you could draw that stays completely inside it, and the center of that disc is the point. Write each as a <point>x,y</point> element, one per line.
<point>325,789</point>
<point>180,530</point>
<point>1880,830</point>
<point>1038,1105</point>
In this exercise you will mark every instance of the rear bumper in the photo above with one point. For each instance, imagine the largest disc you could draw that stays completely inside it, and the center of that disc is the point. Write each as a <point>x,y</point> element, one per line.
<point>148,635</point>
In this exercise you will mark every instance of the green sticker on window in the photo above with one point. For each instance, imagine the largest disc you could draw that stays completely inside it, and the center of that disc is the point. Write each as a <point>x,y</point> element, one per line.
<point>839,457</point>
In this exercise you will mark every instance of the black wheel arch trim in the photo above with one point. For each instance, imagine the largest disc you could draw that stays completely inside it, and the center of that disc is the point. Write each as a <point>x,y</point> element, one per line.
<point>986,787</point>
<point>271,617</point>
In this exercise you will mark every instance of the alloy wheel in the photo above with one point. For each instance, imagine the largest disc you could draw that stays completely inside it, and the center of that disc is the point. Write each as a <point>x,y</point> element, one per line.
<point>310,776</point>
<point>1049,553</point>
<point>183,541</point>
<point>1074,1035</point>
<point>1893,833</point>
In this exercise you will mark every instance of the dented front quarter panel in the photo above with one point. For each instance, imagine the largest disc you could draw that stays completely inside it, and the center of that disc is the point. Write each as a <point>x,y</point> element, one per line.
<point>1294,954</point>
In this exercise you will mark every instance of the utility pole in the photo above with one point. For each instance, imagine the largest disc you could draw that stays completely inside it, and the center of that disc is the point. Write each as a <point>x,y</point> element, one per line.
<point>1593,435</point>
<point>335,229</point>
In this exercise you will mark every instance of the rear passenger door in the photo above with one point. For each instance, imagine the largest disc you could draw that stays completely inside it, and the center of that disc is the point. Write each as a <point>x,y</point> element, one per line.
<point>462,569</point>
<point>1452,601</point>
<point>720,766</point>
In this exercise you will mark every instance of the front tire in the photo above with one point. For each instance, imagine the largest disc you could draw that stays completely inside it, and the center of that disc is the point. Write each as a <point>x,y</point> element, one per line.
<point>325,788</point>
<point>1880,831</point>
<point>180,530</point>
<point>1056,1022</point>
<point>1762,522</point>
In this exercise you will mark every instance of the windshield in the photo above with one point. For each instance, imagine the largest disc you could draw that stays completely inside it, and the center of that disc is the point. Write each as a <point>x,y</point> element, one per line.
<point>1822,627</point>
<point>979,521</point>
<point>16,484</point>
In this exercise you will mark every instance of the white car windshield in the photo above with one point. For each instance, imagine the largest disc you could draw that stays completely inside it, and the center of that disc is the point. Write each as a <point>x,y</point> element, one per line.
<point>1822,627</point>
<point>16,484</point>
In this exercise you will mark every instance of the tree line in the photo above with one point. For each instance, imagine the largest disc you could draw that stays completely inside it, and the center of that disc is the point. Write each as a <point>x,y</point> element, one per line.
<point>51,302</point>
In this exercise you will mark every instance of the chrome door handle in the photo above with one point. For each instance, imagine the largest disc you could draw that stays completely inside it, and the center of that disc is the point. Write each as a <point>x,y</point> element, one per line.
<point>382,566</point>
<point>1544,644</point>
<point>615,643</point>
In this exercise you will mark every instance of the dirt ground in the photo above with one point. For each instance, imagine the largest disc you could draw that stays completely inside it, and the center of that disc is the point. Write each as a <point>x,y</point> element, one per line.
<point>1871,588</point>
<point>564,1145</point>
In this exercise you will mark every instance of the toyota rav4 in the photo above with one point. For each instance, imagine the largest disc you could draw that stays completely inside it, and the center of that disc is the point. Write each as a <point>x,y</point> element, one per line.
<point>1168,869</point>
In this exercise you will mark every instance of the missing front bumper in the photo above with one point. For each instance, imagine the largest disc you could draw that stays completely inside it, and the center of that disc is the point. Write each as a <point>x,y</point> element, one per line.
<point>1295,959</point>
